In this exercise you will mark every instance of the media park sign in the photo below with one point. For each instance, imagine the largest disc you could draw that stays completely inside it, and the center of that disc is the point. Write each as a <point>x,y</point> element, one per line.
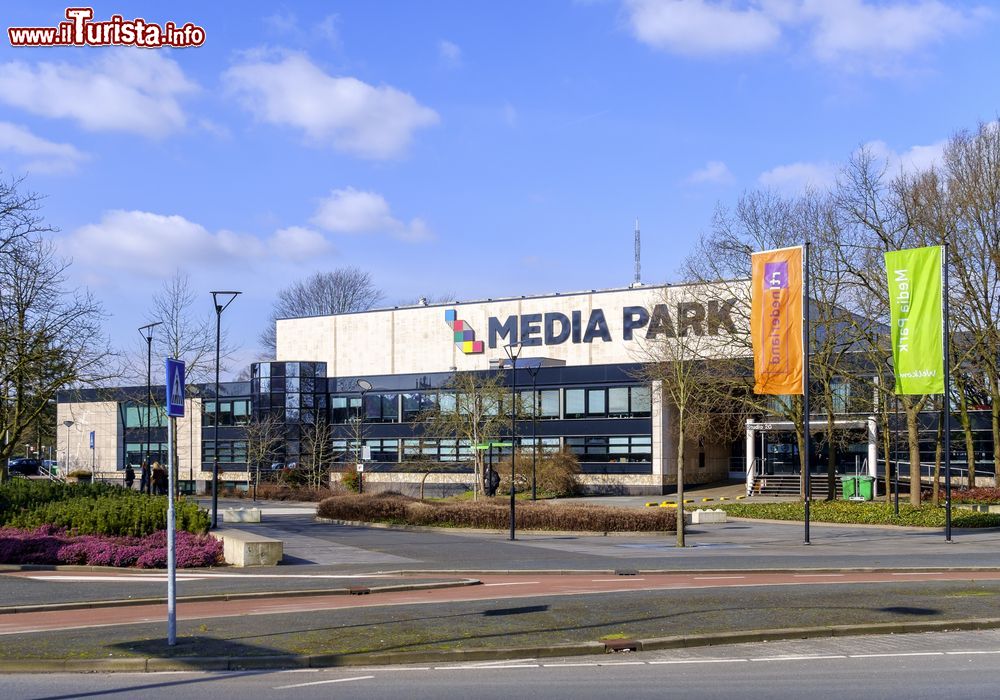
<point>663,320</point>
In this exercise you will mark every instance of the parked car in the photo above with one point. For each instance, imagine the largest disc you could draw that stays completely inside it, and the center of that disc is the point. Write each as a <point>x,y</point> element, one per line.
<point>25,466</point>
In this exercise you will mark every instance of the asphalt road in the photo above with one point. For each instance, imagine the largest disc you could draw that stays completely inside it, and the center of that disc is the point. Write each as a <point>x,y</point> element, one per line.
<point>916,667</point>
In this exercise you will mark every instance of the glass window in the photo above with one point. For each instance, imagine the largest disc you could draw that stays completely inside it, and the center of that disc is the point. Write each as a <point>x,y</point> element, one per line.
<point>642,404</point>
<point>575,403</point>
<point>596,402</point>
<point>548,403</point>
<point>618,402</point>
<point>292,385</point>
<point>265,385</point>
<point>446,402</point>
<point>617,448</point>
<point>291,369</point>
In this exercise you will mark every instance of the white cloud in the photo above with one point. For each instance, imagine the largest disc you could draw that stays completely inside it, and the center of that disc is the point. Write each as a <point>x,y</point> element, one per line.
<point>154,245</point>
<point>912,160</point>
<point>696,27</point>
<point>877,34</point>
<point>298,243</point>
<point>352,211</point>
<point>797,177</point>
<point>849,33</point>
<point>450,53</point>
<point>714,172</point>
<point>351,115</point>
<point>41,156</point>
<point>132,90</point>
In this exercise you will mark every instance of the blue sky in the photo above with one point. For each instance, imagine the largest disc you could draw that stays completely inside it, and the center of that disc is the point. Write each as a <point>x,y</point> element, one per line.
<point>472,148</point>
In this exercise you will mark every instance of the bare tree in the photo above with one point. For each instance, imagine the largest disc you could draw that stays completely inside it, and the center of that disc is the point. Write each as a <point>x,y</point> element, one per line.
<point>186,333</point>
<point>264,434</point>
<point>681,366</point>
<point>470,410</point>
<point>51,336</point>
<point>341,291</point>
<point>317,452</point>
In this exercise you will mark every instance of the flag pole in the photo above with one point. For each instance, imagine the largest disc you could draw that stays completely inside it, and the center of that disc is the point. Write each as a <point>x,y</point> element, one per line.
<point>805,385</point>
<point>946,403</point>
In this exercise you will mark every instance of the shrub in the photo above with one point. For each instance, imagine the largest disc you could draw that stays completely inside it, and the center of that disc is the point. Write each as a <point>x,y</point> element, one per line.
<point>351,480</point>
<point>21,494</point>
<point>555,473</point>
<point>121,513</point>
<point>494,514</point>
<point>52,545</point>
<point>980,494</point>
<point>281,492</point>
<point>871,513</point>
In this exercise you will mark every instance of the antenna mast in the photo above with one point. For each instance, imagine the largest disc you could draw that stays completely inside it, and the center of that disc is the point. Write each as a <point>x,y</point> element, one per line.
<point>638,264</point>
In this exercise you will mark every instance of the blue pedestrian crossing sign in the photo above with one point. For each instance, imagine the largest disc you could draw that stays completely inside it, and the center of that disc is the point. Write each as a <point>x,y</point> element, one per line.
<point>175,388</point>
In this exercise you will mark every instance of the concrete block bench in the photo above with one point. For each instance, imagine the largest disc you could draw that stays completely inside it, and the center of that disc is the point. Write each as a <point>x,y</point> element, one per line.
<point>248,549</point>
<point>241,515</point>
<point>702,517</point>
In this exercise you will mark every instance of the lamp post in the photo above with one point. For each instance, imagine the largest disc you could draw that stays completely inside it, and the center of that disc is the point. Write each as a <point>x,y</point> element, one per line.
<point>68,424</point>
<point>147,333</point>
<point>512,352</point>
<point>219,308</point>
<point>365,387</point>
<point>533,371</point>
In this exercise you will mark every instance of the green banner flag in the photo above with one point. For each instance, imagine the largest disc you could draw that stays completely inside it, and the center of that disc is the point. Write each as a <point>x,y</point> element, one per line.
<point>915,307</point>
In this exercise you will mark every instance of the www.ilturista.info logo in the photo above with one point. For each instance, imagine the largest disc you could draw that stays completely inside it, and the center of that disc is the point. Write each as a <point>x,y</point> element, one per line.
<point>465,337</point>
<point>81,30</point>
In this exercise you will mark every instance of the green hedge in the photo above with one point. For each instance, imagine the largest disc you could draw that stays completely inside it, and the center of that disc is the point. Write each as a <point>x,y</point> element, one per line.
<point>871,513</point>
<point>98,509</point>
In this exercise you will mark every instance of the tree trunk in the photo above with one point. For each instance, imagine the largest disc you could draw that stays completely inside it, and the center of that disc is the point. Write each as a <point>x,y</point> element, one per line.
<point>886,450</point>
<point>938,445</point>
<point>680,477</point>
<point>831,462</point>
<point>913,442</point>
<point>966,422</point>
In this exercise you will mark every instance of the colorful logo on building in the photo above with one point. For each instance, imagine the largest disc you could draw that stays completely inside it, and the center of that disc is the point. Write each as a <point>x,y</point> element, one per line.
<point>465,337</point>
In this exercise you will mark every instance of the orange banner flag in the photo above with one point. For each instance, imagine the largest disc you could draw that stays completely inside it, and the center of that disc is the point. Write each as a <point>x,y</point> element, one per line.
<point>776,320</point>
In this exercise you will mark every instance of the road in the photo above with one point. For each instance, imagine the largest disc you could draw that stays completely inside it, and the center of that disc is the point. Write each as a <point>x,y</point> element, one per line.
<point>928,666</point>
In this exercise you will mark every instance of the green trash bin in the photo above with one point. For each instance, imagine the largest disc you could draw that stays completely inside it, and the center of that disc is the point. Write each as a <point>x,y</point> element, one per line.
<point>849,486</point>
<point>866,487</point>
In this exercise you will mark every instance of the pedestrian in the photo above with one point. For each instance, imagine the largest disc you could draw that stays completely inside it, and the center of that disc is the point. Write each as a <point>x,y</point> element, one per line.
<point>159,480</point>
<point>129,476</point>
<point>144,478</point>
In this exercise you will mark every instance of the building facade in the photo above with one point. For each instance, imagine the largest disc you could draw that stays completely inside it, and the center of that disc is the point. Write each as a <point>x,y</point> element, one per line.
<point>580,365</point>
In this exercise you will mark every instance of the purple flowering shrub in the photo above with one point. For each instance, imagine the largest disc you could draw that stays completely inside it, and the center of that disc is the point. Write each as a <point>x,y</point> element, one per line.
<point>53,545</point>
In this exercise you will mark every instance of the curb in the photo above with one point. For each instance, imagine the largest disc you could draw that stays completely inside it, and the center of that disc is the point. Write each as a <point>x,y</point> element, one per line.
<point>229,663</point>
<point>208,597</point>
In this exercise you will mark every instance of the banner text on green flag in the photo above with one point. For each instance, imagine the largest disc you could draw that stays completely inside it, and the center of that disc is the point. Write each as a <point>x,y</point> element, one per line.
<point>915,311</point>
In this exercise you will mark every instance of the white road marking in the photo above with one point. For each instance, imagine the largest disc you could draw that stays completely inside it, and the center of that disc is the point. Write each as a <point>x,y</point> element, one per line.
<point>959,653</point>
<point>622,663</point>
<point>568,665</point>
<point>150,577</point>
<point>901,653</point>
<point>799,658</point>
<point>911,573</point>
<point>698,661</point>
<point>615,580</point>
<point>332,680</point>
<point>482,667</point>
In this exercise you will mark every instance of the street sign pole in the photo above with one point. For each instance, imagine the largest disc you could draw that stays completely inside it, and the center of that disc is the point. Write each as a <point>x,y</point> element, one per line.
<point>175,407</point>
